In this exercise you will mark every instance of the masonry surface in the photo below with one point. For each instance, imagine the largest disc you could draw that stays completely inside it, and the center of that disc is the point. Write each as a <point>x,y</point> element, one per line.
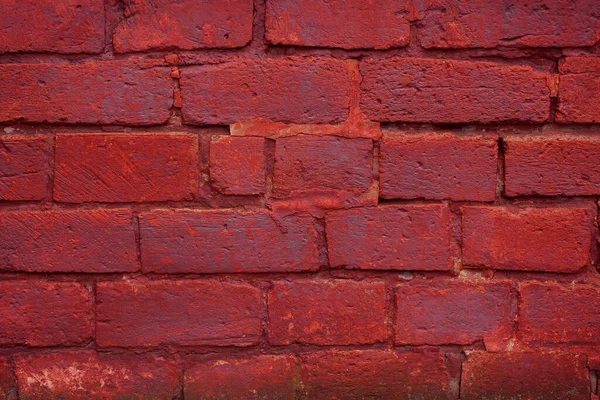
<point>299,199</point>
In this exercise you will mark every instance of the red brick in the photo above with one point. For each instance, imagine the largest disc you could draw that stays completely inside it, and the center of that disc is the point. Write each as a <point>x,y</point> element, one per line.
<point>449,91</point>
<point>349,24</point>
<point>579,90</point>
<point>299,90</point>
<point>24,168</point>
<point>326,165</point>
<point>549,239</point>
<point>7,380</point>
<point>492,23</point>
<point>114,92</point>
<point>453,313</point>
<point>413,237</point>
<point>227,241</point>
<point>66,26</point>
<point>370,374</point>
<point>186,313</point>
<point>187,25</point>
<point>68,241</point>
<point>91,375</point>
<point>334,312</point>
<point>552,166</point>
<point>44,313</point>
<point>237,165</point>
<point>125,167</point>
<point>438,166</point>
<point>261,377</point>
<point>540,376</point>
<point>549,313</point>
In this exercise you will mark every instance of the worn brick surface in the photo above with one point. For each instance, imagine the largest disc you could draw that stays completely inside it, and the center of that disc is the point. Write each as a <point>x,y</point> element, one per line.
<point>578,96</point>
<point>24,168</point>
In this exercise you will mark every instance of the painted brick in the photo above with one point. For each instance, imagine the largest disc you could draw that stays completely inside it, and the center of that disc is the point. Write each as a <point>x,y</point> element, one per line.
<point>449,91</point>
<point>237,165</point>
<point>349,25</point>
<point>438,166</point>
<point>221,241</point>
<point>333,312</point>
<point>7,380</point>
<point>551,239</point>
<point>391,237</point>
<point>94,241</point>
<point>244,90</point>
<point>114,92</point>
<point>44,313</point>
<point>579,90</point>
<point>125,167</point>
<point>186,25</point>
<point>91,375</point>
<point>188,313</point>
<point>24,168</point>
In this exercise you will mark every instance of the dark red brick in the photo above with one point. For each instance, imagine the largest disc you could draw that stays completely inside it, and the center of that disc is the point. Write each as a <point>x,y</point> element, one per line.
<point>299,90</point>
<point>8,384</point>
<point>68,241</point>
<point>237,165</point>
<point>261,377</point>
<point>24,168</point>
<point>226,241</point>
<point>125,167</point>
<point>490,23</point>
<point>449,91</point>
<point>66,26</point>
<point>187,25</point>
<point>550,313</point>
<point>438,166</point>
<point>453,313</point>
<point>579,90</point>
<point>114,92</point>
<point>370,374</point>
<point>332,312</point>
<point>44,313</point>
<point>535,376</point>
<point>412,237</point>
<point>552,166</point>
<point>91,375</point>
<point>349,24</point>
<point>549,239</point>
<point>188,313</point>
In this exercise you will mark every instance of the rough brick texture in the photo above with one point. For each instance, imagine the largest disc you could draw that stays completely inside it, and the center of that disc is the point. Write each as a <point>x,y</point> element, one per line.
<point>7,380</point>
<point>578,90</point>
<point>24,168</point>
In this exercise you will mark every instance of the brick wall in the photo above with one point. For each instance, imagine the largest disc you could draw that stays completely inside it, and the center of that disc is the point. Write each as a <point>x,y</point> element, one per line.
<point>299,199</point>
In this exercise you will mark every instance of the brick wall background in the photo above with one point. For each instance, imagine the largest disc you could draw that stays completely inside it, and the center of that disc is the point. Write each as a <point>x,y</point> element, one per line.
<point>299,199</point>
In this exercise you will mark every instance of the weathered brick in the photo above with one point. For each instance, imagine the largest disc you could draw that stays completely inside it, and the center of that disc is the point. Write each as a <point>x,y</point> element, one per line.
<point>453,313</point>
<point>579,90</point>
<point>535,376</point>
<point>187,25</point>
<point>299,90</point>
<point>449,91</point>
<point>550,313</point>
<point>68,241</point>
<point>91,375</point>
<point>114,92</point>
<point>24,168</point>
<point>66,26</point>
<point>44,313</point>
<point>491,23</point>
<point>337,166</point>
<point>215,241</point>
<point>412,237</point>
<point>552,166</point>
<point>552,239</point>
<point>8,384</point>
<point>334,312</point>
<point>261,377</point>
<point>186,313</point>
<point>366,374</point>
<point>349,24</point>
<point>125,167</point>
<point>237,165</point>
<point>438,166</point>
